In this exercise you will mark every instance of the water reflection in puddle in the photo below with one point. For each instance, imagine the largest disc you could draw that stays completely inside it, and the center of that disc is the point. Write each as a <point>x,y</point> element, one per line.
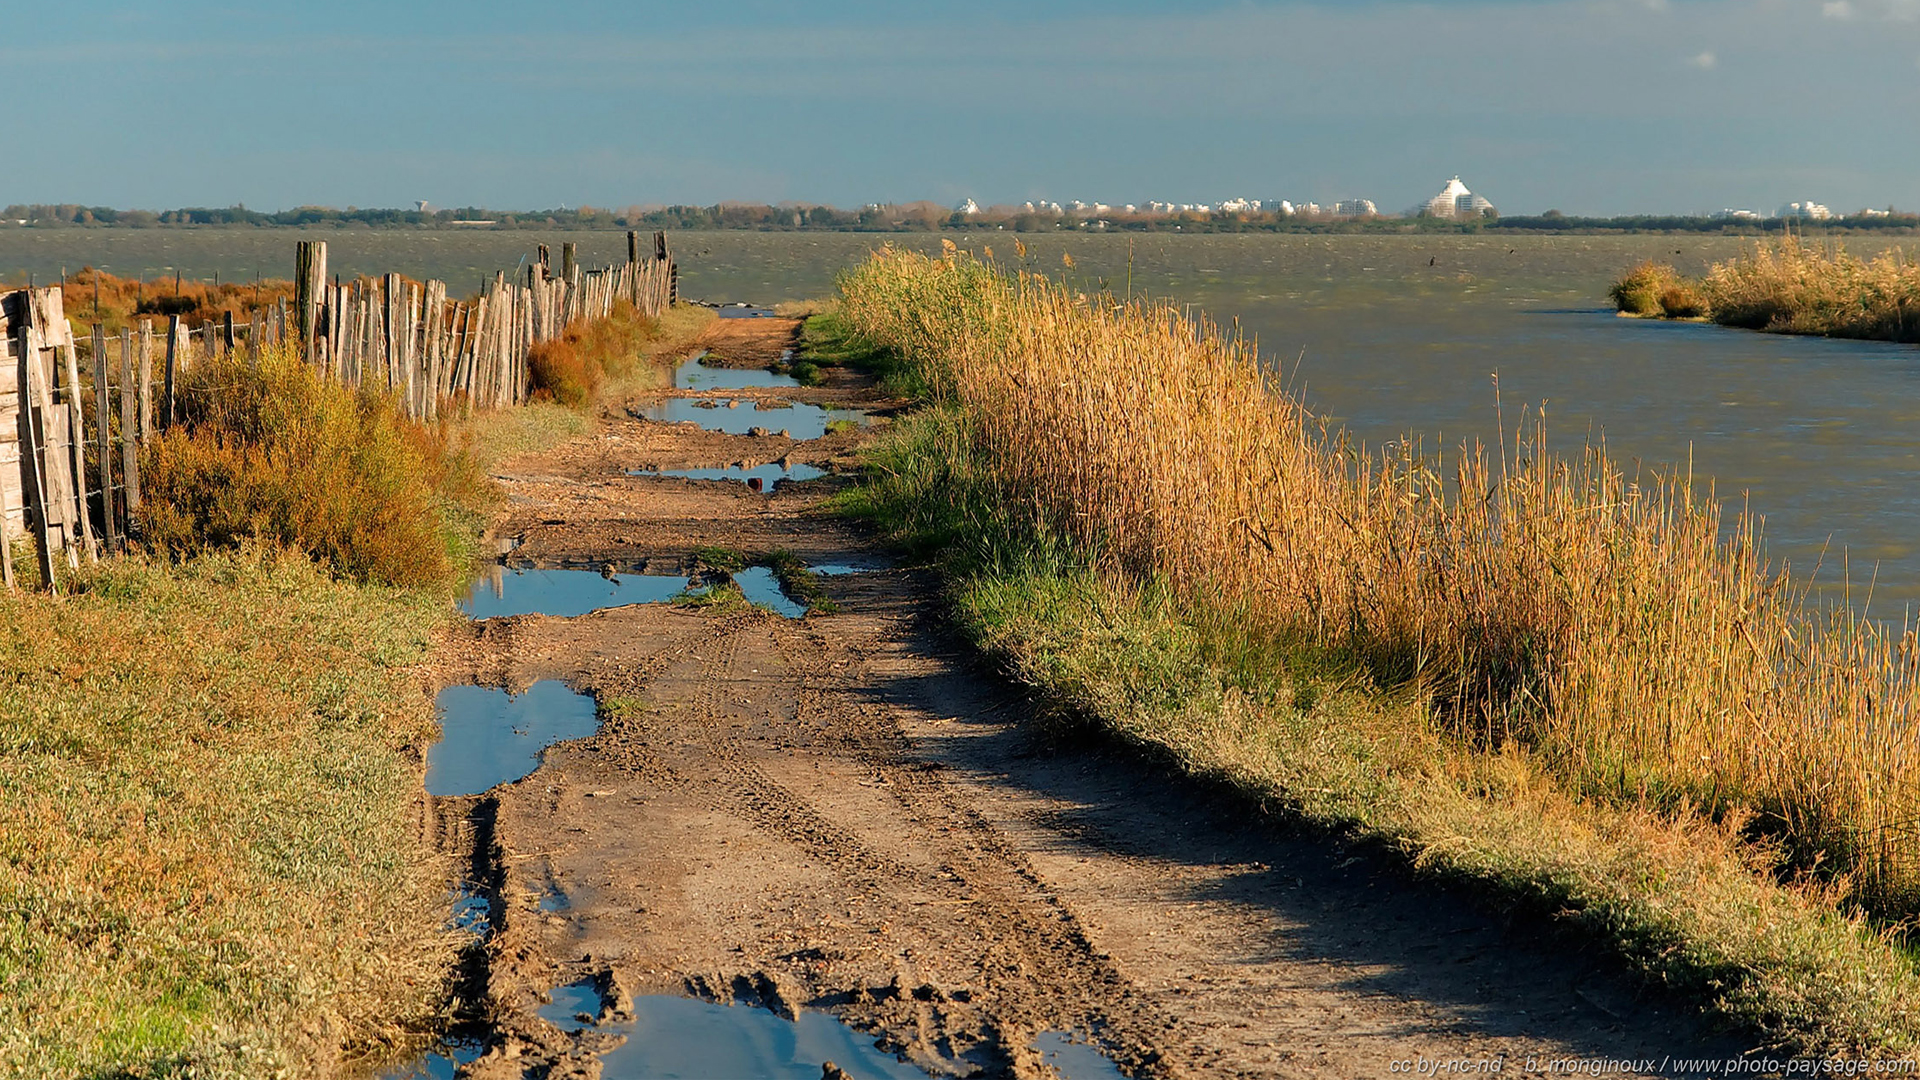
<point>490,737</point>
<point>759,586</point>
<point>840,569</point>
<point>798,420</point>
<point>770,475</point>
<point>1075,1060</point>
<point>564,593</point>
<point>681,1037</point>
<point>694,375</point>
<point>441,1064</point>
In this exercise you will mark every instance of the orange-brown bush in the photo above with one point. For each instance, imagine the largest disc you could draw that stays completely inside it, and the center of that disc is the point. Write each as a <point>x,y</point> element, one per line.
<point>571,368</point>
<point>273,450</point>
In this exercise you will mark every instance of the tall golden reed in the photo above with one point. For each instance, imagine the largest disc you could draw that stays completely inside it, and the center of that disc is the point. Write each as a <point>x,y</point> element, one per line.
<point>1616,628</point>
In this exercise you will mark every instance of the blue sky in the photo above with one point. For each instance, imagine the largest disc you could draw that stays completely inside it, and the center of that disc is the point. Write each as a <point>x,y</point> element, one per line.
<point>1589,106</point>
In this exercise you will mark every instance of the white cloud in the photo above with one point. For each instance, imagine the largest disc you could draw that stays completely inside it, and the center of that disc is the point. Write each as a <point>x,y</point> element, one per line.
<point>1837,9</point>
<point>1706,61</point>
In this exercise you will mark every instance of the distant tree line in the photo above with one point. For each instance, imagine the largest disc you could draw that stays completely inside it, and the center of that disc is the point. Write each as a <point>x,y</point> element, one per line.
<point>897,217</point>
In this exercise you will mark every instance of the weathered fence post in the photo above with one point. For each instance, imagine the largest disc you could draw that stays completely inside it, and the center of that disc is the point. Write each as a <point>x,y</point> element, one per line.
<point>661,254</point>
<point>33,413</point>
<point>309,277</point>
<point>129,428</point>
<point>167,416</point>
<point>103,425</point>
<point>76,421</point>
<point>146,381</point>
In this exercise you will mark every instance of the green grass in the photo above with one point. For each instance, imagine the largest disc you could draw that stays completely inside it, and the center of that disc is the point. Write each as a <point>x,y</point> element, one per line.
<point>723,560</point>
<point>723,596</point>
<point>828,339</point>
<point>210,858</point>
<point>801,585</point>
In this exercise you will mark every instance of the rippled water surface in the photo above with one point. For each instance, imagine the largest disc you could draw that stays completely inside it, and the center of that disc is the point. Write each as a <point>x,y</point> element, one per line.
<point>1385,334</point>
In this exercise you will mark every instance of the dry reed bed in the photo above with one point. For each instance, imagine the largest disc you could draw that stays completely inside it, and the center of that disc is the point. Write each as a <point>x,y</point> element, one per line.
<point>1645,652</point>
<point>1788,287</point>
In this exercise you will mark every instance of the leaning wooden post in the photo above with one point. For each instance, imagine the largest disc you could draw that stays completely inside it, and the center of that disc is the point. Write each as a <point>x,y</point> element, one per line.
<point>309,277</point>
<point>226,331</point>
<point>174,343</point>
<point>77,440</point>
<point>103,431</point>
<point>32,465</point>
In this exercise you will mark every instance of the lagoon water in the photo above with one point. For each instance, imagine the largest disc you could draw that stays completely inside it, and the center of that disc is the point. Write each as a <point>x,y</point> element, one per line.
<point>1387,335</point>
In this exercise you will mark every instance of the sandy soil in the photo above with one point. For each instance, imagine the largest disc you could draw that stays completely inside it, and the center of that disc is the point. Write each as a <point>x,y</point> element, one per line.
<point>850,812</point>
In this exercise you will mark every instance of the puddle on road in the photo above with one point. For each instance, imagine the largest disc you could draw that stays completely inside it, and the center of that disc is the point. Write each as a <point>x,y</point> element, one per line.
<point>694,375</point>
<point>441,1064</point>
<point>675,1036</point>
<point>490,737</point>
<point>1075,1060</point>
<point>770,475</point>
<point>841,569</point>
<point>799,421</point>
<point>564,593</point>
<point>759,586</point>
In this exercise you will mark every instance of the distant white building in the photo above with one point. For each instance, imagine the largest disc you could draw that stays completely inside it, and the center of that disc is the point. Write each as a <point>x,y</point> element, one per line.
<point>969,208</point>
<point>1730,214</point>
<point>1455,201</point>
<point>1807,211</point>
<point>1355,208</point>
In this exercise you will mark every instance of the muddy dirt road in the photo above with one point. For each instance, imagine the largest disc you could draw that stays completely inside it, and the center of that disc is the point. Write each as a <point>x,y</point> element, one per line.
<point>846,812</point>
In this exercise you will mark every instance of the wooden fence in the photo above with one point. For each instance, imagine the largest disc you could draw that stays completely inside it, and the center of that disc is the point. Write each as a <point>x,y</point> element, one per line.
<point>70,473</point>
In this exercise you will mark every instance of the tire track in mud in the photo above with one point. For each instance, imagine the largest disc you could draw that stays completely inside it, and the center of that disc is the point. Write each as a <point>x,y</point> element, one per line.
<point>839,813</point>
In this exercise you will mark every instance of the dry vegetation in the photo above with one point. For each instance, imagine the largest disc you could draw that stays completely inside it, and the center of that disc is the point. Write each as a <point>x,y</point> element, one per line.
<point>605,356</point>
<point>211,856</point>
<point>94,296</point>
<point>210,860</point>
<point>1588,690</point>
<point>1787,287</point>
<point>272,450</point>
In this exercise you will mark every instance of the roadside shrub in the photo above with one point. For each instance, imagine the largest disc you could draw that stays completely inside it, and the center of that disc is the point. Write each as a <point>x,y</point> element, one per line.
<point>561,374</point>
<point>571,368</point>
<point>274,451</point>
